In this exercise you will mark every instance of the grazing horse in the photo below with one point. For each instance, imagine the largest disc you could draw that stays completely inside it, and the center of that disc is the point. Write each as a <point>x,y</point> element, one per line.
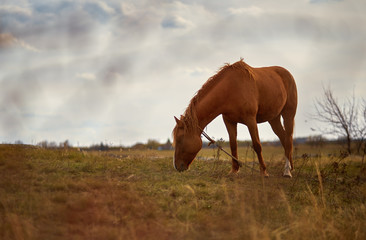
<point>241,94</point>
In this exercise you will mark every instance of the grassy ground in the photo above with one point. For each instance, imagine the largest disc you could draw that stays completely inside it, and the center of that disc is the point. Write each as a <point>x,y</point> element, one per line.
<point>68,194</point>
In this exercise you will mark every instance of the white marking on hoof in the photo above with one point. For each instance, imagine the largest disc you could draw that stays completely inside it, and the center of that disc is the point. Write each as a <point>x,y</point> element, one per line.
<point>287,171</point>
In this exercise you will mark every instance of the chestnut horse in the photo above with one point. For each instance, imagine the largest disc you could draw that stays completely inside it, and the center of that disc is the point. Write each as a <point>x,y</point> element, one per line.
<point>241,94</point>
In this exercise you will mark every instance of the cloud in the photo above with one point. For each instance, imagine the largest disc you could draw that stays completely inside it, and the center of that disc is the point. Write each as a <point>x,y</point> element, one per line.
<point>106,8</point>
<point>198,71</point>
<point>99,10</point>
<point>324,1</point>
<point>253,10</point>
<point>175,22</point>
<point>15,11</point>
<point>52,25</point>
<point>86,76</point>
<point>7,40</point>
<point>17,97</point>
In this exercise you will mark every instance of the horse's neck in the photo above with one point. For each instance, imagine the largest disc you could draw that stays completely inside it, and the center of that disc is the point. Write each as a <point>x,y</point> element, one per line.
<point>208,108</point>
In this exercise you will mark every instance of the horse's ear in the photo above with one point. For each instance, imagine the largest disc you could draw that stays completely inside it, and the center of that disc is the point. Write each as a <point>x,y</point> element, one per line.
<point>180,123</point>
<point>177,120</point>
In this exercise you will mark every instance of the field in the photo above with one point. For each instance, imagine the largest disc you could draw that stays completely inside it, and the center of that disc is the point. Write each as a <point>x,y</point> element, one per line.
<point>71,194</point>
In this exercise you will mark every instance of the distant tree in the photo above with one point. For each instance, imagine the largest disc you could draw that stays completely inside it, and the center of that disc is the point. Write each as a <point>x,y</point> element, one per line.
<point>166,146</point>
<point>103,147</point>
<point>316,140</point>
<point>343,119</point>
<point>43,144</point>
<point>18,142</point>
<point>52,144</point>
<point>139,146</point>
<point>361,129</point>
<point>152,144</point>
<point>65,144</point>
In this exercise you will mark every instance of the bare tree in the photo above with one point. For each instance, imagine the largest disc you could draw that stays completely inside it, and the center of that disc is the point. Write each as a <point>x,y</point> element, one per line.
<point>361,129</point>
<point>342,118</point>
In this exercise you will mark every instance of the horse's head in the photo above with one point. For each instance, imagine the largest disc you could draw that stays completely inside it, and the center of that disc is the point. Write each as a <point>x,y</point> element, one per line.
<point>187,143</point>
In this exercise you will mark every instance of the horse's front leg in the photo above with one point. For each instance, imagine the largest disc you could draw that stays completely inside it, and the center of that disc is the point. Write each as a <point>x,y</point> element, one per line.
<point>253,130</point>
<point>232,130</point>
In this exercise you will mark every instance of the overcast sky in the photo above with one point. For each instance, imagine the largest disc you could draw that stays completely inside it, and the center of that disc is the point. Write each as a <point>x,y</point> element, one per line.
<point>118,71</point>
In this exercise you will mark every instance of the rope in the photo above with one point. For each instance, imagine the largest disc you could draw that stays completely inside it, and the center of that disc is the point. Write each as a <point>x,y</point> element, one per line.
<point>240,163</point>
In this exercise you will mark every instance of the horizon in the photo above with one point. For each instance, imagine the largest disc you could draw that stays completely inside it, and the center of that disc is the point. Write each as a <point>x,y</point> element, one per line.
<point>52,144</point>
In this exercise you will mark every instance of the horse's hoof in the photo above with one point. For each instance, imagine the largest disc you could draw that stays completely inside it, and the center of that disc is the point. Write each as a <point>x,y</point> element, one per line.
<point>287,173</point>
<point>265,174</point>
<point>233,172</point>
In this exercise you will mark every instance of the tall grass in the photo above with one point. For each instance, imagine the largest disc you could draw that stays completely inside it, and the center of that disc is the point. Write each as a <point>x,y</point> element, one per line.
<point>67,194</point>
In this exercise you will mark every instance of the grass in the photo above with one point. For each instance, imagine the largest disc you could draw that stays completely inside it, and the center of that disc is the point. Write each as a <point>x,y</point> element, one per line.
<point>68,194</point>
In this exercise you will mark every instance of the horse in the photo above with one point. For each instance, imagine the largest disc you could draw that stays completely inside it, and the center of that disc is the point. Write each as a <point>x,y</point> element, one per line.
<point>241,94</point>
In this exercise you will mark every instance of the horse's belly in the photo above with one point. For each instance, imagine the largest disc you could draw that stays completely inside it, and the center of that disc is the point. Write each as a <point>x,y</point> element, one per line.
<point>265,118</point>
<point>268,112</point>
<point>271,99</point>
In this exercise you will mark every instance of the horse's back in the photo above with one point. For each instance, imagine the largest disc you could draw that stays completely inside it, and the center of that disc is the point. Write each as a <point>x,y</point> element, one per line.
<point>260,92</point>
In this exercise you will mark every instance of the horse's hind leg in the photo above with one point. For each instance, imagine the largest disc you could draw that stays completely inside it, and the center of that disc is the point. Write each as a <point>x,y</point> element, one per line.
<point>280,132</point>
<point>253,130</point>
<point>232,130</point>
<point>278,129</point>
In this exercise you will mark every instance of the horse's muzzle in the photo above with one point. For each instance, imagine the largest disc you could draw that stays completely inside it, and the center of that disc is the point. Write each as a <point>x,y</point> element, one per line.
<point>180,167</point>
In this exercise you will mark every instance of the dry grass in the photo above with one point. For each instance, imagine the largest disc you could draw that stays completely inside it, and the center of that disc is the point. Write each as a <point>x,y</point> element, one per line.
<point>66,194</point>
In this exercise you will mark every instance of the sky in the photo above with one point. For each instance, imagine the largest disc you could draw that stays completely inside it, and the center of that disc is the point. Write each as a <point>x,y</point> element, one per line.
<point>116,72</point>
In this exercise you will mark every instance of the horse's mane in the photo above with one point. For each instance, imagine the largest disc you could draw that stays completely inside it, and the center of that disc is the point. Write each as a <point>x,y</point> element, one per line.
<point>189,117</point>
